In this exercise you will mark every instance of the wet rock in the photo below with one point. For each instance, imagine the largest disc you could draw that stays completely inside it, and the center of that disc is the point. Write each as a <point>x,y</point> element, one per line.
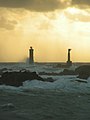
<point>68,72</point>
<point>17,78</point>
<point>2,70</point>
<point>84,68</point>
<point>51,73</point>
<point>83,71</point>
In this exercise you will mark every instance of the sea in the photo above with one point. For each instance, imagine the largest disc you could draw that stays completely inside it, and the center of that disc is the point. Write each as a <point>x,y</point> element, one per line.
<point>63,99</point>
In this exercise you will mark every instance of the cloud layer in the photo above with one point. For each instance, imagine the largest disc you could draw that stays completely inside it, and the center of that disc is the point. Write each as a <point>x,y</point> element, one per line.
<point>42,5</point>
<point>7,24</point>
<point>33,5</point>
<point>81,2</point>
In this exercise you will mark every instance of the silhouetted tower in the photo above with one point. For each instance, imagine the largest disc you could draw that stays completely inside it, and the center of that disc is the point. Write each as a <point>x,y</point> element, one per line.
<point>69,62</point>
<point>31,57</point>
<point>69,54</point>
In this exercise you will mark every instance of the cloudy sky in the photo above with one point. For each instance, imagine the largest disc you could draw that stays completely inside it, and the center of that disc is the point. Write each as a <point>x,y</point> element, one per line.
<point>50,26</point>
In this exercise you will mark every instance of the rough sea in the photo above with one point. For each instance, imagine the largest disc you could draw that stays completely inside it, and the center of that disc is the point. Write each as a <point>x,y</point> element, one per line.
<point>63,99</point>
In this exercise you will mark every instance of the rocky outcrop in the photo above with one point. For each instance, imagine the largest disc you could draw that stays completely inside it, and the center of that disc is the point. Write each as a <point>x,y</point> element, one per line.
<point>3,70</point>
<point>83,71</point>
<point>17,78</point>
<point>50,73</point>
<point>68,72</point>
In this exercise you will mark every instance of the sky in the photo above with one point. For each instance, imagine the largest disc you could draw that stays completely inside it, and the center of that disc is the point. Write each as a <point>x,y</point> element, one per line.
<point>49,26</point>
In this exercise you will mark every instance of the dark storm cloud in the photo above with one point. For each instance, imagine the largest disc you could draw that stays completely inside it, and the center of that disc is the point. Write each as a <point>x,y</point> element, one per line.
<point>81,2</point>
<point>42,5</point>
<point>33,5</point>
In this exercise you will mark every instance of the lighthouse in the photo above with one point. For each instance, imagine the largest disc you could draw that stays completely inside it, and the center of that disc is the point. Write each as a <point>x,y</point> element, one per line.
<point>69,62</point>
<point>31,56</point>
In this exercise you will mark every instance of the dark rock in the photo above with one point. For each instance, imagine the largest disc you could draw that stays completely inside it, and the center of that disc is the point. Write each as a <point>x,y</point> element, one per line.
<point>68,72</point>
<point>2,70</point>
<point>84,68</point>
<point>17,78</point>
<point>51,73</point>
<point>83,76</point>
<point>83,71</point>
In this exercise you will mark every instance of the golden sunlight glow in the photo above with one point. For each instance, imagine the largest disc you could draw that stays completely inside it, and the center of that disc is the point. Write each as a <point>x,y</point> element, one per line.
<point>50,34</point>
<point>67,2</point>
<point>73,10</point>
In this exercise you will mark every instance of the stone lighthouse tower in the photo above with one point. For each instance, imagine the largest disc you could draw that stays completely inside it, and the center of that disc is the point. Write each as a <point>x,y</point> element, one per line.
<point>31,56</point>
<point>69,62</point>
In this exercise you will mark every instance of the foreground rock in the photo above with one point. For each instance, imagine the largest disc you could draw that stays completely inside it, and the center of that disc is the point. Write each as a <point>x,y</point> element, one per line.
<point>17,78</point>
<point>3,70</point>
<point>83,71</point>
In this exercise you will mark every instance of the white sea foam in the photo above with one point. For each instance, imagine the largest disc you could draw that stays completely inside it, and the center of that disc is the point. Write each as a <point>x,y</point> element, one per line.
<point>64,83</point>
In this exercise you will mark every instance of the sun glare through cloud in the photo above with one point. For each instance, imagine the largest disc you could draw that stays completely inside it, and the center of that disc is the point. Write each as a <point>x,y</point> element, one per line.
<point>54,27</point>
<point>73,10</point>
